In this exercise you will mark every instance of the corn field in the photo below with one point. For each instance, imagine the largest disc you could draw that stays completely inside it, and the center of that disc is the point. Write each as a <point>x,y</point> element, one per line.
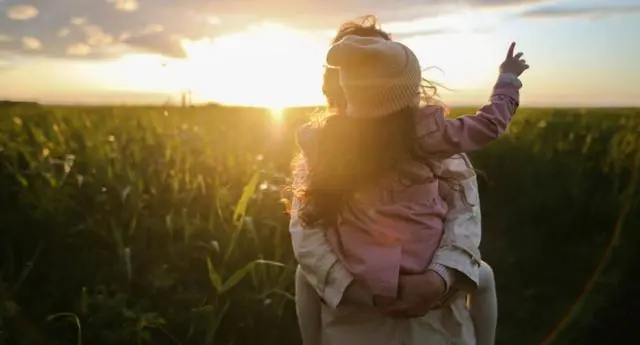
<point>168,226</point>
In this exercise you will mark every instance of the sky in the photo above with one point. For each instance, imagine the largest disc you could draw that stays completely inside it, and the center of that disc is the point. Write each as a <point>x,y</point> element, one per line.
<point>271,52</point>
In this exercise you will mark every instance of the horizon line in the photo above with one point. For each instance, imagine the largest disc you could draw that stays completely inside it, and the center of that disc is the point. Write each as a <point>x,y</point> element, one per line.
<point>213,103</point>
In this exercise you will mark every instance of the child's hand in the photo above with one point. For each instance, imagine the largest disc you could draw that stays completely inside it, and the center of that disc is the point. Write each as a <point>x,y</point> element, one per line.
<point>417,294</point>
<point>513,64</point>
<point>356,294</point>
<point>382,301</point>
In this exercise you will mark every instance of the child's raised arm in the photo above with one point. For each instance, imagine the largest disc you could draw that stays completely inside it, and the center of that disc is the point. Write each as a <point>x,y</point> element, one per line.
<point>444,137</point>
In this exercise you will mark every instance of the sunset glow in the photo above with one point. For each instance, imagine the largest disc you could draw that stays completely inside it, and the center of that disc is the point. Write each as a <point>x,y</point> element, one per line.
<point>233,58</point>
<point>282,66</point>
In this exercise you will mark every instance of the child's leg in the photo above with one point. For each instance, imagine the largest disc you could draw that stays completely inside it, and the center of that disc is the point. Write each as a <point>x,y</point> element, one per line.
<point>308,306</point>
<point>484,307</point>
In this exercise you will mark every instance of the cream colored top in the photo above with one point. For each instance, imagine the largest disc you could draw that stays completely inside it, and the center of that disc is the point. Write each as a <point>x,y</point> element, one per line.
<point>360,325</point>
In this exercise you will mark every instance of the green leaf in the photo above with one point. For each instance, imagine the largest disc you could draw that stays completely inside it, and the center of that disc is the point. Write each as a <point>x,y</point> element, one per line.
<point>23,181</point>
<point>215,322</point>
<point>84,301</point>
<point>74,318</point>
<point>214,277</point>
<point>10,309</point>
<point>247,193</point>
<point>241,273</point>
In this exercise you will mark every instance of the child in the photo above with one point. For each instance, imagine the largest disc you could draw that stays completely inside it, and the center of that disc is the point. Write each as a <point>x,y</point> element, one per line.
<point>373,173</point>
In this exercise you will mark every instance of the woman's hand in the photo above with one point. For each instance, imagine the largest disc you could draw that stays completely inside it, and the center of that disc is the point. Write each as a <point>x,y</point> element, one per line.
<point>513,64</point>
<point>416,295</point>
<point>356,293</point>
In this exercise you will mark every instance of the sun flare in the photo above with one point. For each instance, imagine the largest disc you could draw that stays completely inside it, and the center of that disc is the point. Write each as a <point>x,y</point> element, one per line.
<point>275,66</point>
<point>277,113</point>
<point>266,65</point>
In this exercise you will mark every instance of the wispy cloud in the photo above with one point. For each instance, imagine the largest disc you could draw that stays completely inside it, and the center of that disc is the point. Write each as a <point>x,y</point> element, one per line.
<point>21,12</point>
<point>424,32</point>
<point>92,28</point>
<point>65,28</point>
<point>79,49</point>
<point>125,5</point>
<point>31,43</point>
<point>562,12</point>
<point>5,38</point>
<point>159,43</point>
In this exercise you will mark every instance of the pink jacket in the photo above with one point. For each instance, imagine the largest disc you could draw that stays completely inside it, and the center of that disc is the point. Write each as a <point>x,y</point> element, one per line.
<point>389,229</point>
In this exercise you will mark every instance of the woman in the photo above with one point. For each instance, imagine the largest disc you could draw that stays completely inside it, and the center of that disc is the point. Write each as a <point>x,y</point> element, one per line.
<point>457,257</point>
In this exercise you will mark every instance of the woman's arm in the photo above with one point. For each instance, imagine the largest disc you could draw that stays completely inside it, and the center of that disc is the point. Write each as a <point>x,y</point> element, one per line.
<point>459,248</point>
<point>457,259</point>
<point>317,260</point>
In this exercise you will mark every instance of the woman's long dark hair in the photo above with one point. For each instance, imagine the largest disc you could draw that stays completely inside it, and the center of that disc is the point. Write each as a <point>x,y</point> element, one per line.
<point>353,152</point>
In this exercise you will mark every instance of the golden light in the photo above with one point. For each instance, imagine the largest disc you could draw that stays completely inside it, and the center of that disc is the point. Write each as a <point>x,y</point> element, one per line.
<point>275,66</point>
<point>137,72</point>
<point>277,114</point>
<point>466,60</point>
<point>465,57</point>
<point>266,65</point>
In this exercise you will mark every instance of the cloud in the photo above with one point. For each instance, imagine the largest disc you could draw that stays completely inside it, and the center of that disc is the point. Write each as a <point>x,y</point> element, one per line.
<point>153,28</point>
<point>213,20</point>
<point>64,32</point>
<point>77,21</point>
<point>96,36</point>
<point>425,32</point>
<point>79,49</point>
<point>31,43</point>
<point>22,12</point>
<point>158,42</point>
<point>319,14</point>
<point>125,5</point>
<point>110,27</point>
<point>560,12</point>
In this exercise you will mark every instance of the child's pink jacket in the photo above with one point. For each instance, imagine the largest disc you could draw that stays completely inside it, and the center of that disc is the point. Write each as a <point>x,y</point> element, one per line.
<point>388,228</point>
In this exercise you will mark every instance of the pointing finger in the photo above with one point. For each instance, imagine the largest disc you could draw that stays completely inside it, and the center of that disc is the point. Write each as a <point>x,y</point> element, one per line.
<point>512,46</point>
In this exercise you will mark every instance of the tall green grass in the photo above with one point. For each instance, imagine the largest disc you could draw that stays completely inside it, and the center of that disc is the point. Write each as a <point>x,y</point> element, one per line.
<point>165,226</point>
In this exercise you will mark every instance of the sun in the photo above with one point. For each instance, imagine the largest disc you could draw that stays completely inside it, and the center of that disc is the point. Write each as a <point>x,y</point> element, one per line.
<point>277,113</point>
<point>267,65</point>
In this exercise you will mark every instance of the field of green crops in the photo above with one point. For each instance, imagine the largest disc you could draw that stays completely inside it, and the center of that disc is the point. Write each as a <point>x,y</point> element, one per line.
<point>166,226</point>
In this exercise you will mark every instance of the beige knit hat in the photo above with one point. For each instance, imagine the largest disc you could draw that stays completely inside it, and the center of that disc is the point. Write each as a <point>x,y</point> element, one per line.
<point>378,77</point>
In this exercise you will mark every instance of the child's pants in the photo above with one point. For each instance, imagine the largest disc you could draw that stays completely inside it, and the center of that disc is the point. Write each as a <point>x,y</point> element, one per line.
<point>483,306</point>
<point>308,309</point>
